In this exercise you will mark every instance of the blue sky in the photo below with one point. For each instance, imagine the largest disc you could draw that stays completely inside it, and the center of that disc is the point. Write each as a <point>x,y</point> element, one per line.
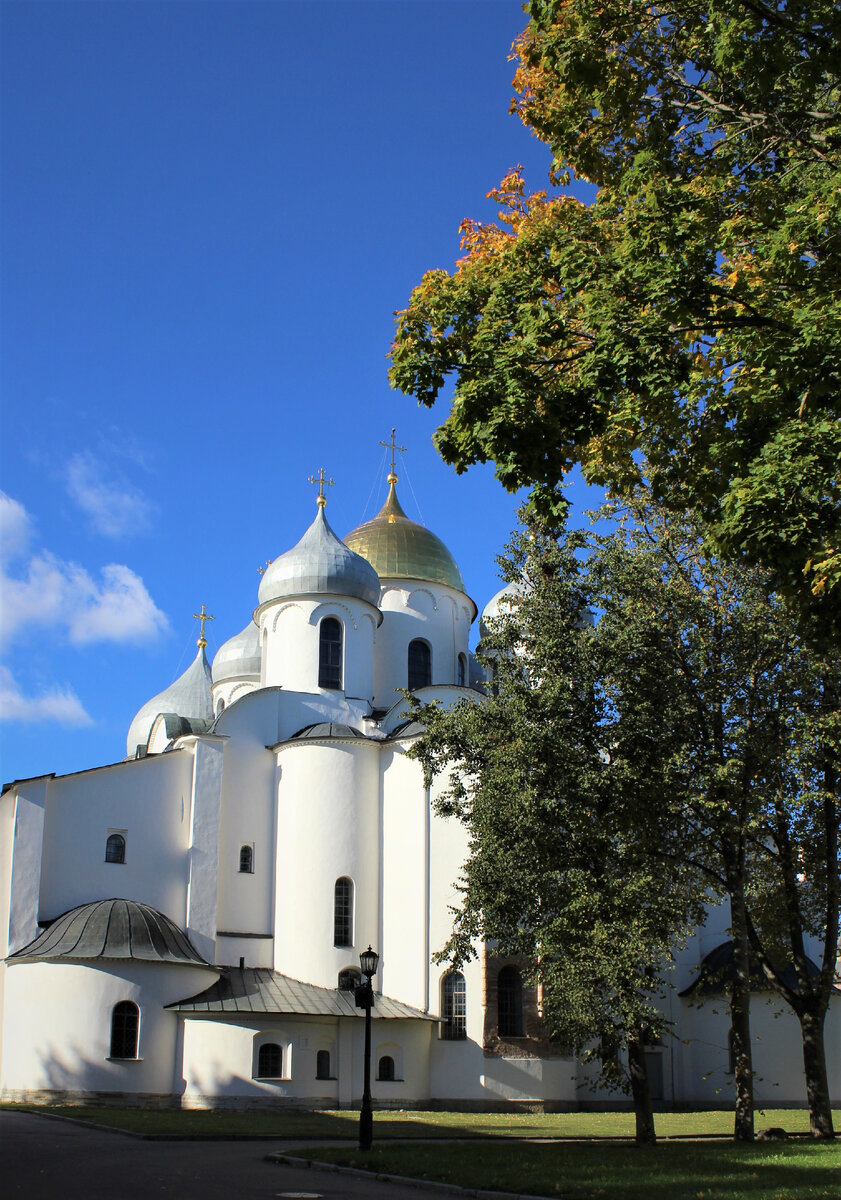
<point>211,211</point>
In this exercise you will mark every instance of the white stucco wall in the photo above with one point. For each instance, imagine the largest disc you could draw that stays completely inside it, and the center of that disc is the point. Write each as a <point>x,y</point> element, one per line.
<point>412,609</point>
<point>290,631</point>
<point>404,938</point>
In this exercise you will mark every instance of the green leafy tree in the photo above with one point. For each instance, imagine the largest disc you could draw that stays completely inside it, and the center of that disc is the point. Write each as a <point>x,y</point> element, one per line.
<point>692,310</point>
<point>560,870</point>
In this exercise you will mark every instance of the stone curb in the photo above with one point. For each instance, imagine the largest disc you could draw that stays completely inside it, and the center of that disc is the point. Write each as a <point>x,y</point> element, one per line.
<point>432,1184</point>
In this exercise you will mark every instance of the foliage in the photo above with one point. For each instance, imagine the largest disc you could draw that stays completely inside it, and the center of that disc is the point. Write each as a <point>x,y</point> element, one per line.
<point>692,310</point>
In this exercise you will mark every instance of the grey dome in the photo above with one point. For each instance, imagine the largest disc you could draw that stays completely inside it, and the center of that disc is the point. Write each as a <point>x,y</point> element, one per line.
<point>189,696</point>
<point>498,605</point>
<point>121,929</point>
<point>238,657</point>
<point>326,729</point>
<point>320,563</point>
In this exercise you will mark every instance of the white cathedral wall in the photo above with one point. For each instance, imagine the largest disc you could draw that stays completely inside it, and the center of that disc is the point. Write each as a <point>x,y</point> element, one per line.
<point>290,629</point>
<point>148,801</point>
<point>328,825</point>
<point>413,609</point>
<point>57,1031</point>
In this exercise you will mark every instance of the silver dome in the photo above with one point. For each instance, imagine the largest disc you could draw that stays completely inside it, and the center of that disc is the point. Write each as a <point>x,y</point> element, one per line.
<point>189,696</point>
<point>499,604</point>
<point>239,657</point>
<point>320,563</point>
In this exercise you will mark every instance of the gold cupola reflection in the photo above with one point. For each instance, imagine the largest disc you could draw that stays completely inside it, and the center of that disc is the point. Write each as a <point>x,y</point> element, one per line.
<point>398,548</point>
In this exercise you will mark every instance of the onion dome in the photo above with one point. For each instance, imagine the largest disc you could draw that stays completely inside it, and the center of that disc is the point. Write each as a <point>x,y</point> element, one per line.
<point>320,564</point>
<point>498,605</point>
<point>398,548</point>
<point>189,697</point>
<point>239,657</point>
<point>113,929</point>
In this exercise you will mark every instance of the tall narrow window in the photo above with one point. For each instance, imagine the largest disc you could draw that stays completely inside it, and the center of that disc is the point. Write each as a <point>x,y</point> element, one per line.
<point>509,995</point>
<point>125,1023</point>
<point>461,677</point>
<point>220,706</point>
<point>246,860</point>
<point>454,1007</point>
<point>322,1064</point>
<point>330,654</point>
<point>269,1061</point>
<point>115,848</point>
<point>385,1068</point>
<point>343,912</point>
<point>420,665</point>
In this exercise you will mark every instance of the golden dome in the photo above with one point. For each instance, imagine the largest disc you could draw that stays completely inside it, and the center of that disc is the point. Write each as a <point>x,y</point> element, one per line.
<point>398,548</point>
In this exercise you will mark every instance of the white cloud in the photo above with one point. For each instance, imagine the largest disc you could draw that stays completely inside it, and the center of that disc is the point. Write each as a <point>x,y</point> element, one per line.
<point>60,705</point>
<point>115,508</point>
<point>15,528</point>
<point>47,590</point>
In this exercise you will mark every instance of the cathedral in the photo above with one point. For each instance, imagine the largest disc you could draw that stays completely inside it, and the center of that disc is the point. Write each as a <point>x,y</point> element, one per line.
<point>184,926</point>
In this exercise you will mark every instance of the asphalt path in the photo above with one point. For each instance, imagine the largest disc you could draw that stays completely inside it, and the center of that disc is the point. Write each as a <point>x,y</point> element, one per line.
<point>44,1159</point>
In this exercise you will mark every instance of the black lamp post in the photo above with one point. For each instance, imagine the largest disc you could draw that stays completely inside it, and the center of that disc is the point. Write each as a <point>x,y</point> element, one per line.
<point>369,961</point>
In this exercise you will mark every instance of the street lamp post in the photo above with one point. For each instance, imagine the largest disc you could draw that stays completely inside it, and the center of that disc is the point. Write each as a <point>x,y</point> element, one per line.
<point>368,960</point>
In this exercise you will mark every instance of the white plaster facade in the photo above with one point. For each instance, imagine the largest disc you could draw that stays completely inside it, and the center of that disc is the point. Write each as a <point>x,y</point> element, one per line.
<point>237,818</point>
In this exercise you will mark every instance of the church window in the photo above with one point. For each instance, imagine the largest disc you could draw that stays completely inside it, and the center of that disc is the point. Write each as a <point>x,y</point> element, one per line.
<point>125,1023</point>
<point>420,665</point>
<point>343,912</point>
<point>385,1068</point>
<point>461,677</point>
<point>220,706</point>
<point>322,1064</point>
<point>349,979</point>
<point>269,1061</point>
<point>246,860</point>
<point>454,1007</point>
<point>509,995</point>
<point>115,848</point>
<point>330,654</point>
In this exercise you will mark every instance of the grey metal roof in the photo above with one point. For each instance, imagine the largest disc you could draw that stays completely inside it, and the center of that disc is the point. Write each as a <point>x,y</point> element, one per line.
<point>189,696</point>
<point>326,729</point>
<point>239,656</point>
<point>112,929</point>
<point>717,970</point>
<point>320,563</point>
<point>261,990</point>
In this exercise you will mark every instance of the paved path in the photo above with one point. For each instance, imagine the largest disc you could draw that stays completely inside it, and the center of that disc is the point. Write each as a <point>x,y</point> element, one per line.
<point>42,1159</point>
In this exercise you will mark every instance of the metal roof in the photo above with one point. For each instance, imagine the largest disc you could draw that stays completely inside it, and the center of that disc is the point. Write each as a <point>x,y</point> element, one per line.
<point>320,563</point>
<point>111,929</point>
<point>261,990</point>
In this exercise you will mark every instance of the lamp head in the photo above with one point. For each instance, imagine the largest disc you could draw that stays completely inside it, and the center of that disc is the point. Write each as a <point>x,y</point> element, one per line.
<point>369,961</point>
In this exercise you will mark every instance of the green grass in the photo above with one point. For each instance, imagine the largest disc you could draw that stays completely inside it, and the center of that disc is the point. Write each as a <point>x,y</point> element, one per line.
<point>299,1124</point>
<point>618,1171</point>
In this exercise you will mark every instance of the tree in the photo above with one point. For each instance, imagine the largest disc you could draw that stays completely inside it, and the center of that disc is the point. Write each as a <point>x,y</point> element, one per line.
<point>753,795</point>
<point>692,310</point>
<point>560,868</point>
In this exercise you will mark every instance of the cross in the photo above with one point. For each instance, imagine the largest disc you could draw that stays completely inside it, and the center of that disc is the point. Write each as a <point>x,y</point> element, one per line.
<point>321,481</point>
<point>392,445</point>
<point>262,570</point>
<point>203,616</point>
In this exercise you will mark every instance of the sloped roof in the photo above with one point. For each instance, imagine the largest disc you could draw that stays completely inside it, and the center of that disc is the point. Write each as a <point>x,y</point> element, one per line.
<point>716,973</point>
<point>111,929</point>
<point>261,990</point>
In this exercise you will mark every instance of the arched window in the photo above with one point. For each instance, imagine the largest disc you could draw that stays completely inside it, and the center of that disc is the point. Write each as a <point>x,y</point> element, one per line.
<point>349,979</point>
<point>461,677</point>
<point>330,654</point>
<point>269,1061</point>
<point>385,1068</point>
<point>220,706</point>
<point>343,912</point>
<point>420,665</point>
<point>115,848</point>
<point>322,1064</point>
<point>509,996</point>
<point>125,1023</point>
<point>246,860</point>
<point>454,1006</point>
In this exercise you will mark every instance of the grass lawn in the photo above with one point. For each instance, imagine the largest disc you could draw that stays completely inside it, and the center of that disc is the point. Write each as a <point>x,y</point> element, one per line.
<point>617,1171</point>
<point>299,1124</point>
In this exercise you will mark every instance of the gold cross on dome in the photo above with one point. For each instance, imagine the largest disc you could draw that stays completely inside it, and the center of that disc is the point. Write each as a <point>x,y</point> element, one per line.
<point>203,616</point>
<point>262,570</point>
<point>322,482</point>
<point>395,449</point>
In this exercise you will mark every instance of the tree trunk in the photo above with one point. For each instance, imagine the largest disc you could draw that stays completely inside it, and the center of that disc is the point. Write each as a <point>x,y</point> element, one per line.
<point>641,1091</point>
<point>814,1066</point>
<point>740,1015</point>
